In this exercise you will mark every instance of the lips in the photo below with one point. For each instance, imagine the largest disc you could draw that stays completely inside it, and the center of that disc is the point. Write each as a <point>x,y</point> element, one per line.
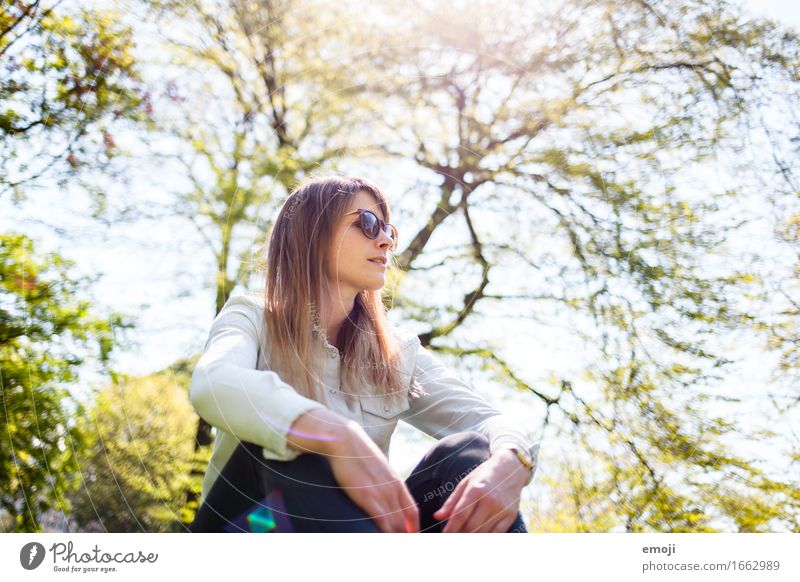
<point>378,260</point>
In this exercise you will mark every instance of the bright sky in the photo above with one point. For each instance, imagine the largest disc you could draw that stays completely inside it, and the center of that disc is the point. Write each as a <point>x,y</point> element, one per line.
<point>146,278</point>
<point>785,11</point>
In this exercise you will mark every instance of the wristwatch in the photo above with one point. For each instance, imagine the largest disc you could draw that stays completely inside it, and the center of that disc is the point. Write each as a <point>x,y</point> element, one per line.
<point>528,458</point>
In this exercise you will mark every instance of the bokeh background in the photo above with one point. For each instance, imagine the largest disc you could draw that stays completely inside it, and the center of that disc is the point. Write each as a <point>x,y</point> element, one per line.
<point>598,211</point>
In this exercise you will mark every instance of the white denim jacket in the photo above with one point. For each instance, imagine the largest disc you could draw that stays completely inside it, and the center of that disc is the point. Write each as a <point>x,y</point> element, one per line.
<point>233,391</point>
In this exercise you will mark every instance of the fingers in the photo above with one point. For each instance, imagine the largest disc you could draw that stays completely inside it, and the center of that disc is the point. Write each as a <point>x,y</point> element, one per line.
<point>461,513</point>
<point>446,509</point>
<point>405,515</point>
<point>397,517</point>
<point>490,516</point>
<point>388,516</point>
<point>381,518</point>
<point>399,514</point>
<point>410,511</point>
<point>503,525</point>
<point>481,520</point>
<point>370,482</point>
<point>476,511</point>
<point>455,523</point>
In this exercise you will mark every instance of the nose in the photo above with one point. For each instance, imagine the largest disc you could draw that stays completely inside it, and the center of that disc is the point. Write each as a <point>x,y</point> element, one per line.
<point>384,240</point>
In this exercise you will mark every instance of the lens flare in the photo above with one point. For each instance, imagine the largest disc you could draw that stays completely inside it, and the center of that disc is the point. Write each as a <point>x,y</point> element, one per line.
<point>267,516</point>
<point>261,520</point>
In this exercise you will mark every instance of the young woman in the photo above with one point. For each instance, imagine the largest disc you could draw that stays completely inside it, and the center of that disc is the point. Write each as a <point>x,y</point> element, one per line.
<point>306,384</point>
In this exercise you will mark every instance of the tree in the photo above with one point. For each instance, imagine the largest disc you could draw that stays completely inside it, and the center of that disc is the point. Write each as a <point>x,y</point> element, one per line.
<point>565,142</point>
<point>561,149</point>
<point>46,333</point>
<point>782,322</point>
<point>135,470</point>
<point>67,79</point>
<point>266,110</point>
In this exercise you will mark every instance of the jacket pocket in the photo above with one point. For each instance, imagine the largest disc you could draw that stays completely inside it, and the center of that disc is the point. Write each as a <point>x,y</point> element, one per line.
<point>378,410</point>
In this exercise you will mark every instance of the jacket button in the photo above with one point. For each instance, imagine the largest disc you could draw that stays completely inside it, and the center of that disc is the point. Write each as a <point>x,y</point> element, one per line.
<point>333,391</point>
<point>386,408</point>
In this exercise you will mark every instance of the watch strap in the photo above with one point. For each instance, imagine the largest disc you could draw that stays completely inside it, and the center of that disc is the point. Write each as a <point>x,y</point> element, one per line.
<point>526,459</point>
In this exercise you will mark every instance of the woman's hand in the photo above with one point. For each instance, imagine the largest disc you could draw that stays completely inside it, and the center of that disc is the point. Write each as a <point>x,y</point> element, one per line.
<point>363,471</point>
<point>487,499</point>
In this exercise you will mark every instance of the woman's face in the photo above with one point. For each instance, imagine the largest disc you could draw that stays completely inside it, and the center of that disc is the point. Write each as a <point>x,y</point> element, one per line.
<point>349,262</point>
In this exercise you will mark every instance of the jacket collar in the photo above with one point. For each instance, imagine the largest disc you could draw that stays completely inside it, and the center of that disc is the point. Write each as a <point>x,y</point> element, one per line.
<point>322,340</point>
<point>405,339</point>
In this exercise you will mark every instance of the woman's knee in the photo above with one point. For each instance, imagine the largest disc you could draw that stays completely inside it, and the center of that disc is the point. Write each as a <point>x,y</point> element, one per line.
<point>469,447</point>
<point>463,440</point>
<point>314,501</point>
<point>309,470</point>
<point>451,455</point>
<point>300,495</point>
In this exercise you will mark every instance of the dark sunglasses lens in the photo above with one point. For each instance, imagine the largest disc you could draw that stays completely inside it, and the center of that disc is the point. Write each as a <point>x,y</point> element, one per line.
<point>369,224</point>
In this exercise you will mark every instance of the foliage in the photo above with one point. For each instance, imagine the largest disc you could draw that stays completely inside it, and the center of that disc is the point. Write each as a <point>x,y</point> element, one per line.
<point>66,77</point>
<point>578,165</point>
<point>568,144</point>
<point>137,466</point>
<point>46,334</point>
<point>268,109</point>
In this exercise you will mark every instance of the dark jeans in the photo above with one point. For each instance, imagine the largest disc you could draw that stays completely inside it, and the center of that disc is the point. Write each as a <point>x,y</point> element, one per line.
<point>253,494</point>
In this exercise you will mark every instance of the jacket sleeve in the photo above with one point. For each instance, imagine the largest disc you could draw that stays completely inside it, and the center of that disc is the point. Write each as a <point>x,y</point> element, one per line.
<point>229,393</point>
<point>450,406</point>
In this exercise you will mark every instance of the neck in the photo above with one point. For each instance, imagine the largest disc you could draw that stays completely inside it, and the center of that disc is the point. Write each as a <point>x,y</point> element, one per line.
<point>335,308</point>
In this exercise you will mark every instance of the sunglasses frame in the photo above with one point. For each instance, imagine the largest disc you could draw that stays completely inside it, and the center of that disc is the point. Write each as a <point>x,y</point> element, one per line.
<point>381,225</point>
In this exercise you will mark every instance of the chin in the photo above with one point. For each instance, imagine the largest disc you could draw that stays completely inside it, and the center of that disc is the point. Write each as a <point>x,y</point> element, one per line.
<point>374,285</point>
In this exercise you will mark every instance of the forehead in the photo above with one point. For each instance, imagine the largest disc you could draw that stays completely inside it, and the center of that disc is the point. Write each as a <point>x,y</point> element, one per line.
<point>366,201</point>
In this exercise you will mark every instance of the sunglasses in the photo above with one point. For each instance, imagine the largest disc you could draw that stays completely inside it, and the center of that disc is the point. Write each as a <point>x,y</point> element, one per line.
<point>372,226</point>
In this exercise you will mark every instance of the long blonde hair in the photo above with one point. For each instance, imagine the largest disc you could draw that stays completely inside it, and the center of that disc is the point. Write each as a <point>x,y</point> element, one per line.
<point>295,283</point>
